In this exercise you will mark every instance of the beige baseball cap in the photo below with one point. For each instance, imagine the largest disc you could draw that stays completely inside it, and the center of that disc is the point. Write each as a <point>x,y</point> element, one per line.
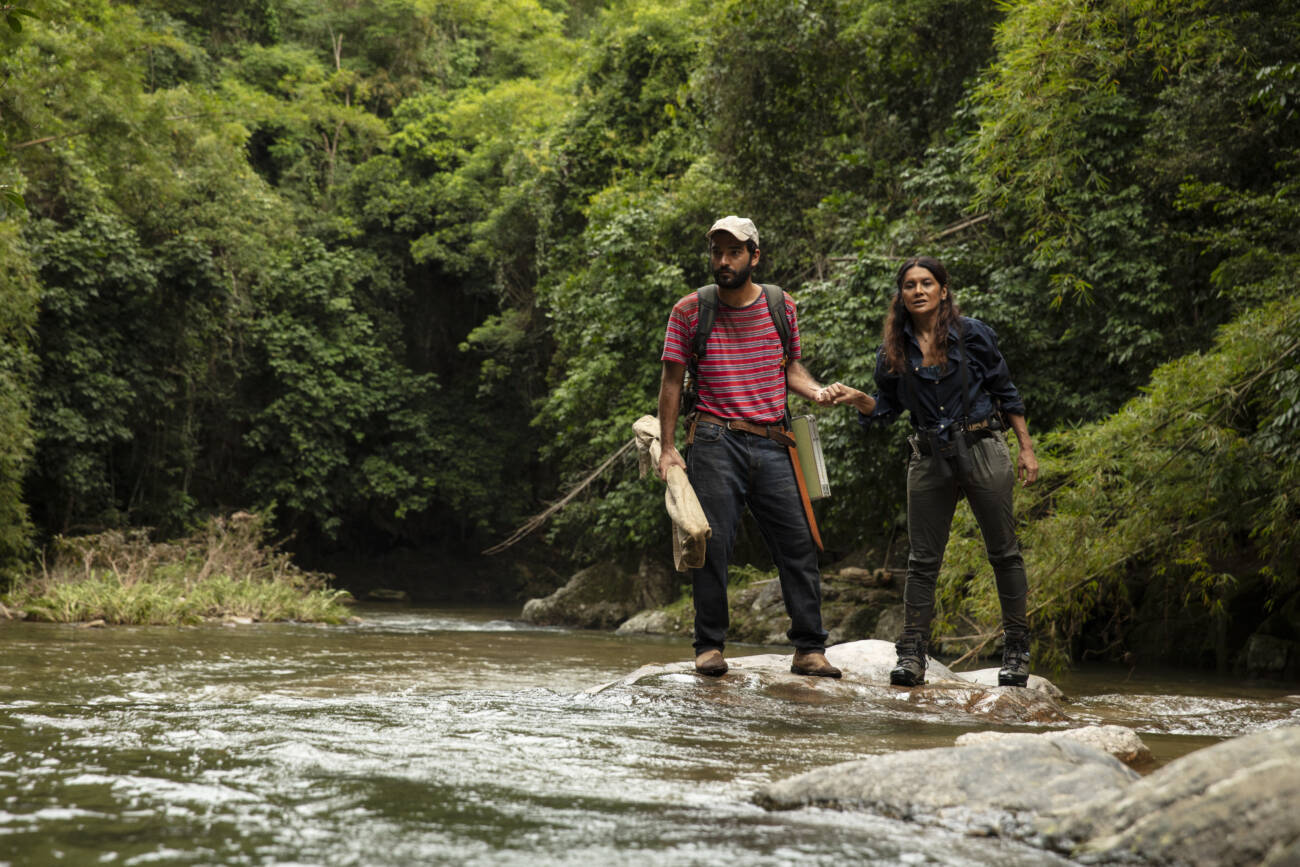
<point>742,228</point>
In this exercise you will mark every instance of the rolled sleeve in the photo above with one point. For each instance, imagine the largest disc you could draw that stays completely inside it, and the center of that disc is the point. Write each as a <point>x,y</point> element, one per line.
<point>888,406</point>
<point>982,342</point>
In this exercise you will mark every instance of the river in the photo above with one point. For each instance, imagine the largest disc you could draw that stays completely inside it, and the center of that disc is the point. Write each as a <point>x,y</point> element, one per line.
<point>465,737</point>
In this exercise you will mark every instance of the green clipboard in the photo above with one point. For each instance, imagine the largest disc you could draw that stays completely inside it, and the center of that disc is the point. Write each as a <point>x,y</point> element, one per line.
<point>811,462</point>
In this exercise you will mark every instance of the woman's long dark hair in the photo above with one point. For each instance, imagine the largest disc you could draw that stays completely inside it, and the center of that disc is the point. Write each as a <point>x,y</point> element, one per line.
<point>894,338</point>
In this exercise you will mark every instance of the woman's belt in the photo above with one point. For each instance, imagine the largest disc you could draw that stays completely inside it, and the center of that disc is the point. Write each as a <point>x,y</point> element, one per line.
<point>776,433</point>
<point>972,433</point>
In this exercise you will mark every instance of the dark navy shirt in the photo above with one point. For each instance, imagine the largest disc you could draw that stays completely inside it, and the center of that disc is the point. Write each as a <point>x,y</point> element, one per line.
<point>938,391</point>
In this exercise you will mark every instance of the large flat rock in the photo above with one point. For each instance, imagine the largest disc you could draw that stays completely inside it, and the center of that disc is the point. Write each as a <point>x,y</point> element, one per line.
<point>866,665</point>
<point>1234,803</point>
<point>996,787</point>
<point>1118,741</point>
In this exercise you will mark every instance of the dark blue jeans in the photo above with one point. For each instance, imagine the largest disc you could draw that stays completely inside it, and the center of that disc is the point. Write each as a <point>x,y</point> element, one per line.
<point>730,470</point>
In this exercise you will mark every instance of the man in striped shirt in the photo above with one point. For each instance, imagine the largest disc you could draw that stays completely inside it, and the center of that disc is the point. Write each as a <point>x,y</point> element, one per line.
<point>739,447</point>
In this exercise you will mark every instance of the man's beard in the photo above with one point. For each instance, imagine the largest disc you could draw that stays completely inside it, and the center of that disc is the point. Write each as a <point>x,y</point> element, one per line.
<point>727,279</point>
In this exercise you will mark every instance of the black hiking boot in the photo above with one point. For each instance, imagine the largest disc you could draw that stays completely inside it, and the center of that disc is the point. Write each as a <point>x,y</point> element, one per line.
<point>910,670</point>
<point>1015,659</point>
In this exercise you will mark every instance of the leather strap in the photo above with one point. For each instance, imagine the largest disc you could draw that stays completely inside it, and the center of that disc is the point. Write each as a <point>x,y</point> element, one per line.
<point>803,495</point>
<point>775,432</point>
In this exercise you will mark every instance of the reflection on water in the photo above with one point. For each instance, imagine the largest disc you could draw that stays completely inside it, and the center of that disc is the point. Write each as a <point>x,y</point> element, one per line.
<point>462,737</point>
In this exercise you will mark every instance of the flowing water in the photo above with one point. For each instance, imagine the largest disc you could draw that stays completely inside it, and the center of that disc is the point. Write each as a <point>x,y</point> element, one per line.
<point>464,737</point>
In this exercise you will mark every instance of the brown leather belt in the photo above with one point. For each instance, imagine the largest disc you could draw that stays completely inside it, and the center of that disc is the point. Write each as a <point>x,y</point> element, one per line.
<point>777,433</point>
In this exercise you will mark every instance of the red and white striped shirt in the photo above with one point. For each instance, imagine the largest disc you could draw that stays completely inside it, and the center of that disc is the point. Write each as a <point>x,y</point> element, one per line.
<point>740,374</point>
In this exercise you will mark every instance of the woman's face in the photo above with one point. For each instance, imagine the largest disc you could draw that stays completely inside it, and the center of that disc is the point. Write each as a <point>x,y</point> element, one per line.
<point>922,292</point>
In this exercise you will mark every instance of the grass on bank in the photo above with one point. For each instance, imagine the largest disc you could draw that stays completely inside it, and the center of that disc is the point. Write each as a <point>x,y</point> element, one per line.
<point>225,570</point>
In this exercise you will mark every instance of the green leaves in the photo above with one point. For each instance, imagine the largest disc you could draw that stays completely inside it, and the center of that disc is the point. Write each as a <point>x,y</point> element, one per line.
<point>288,250</point>
<point>1160,497</point>
<point>14,16</point>
<point>338,426</point>
<point>10,200</point>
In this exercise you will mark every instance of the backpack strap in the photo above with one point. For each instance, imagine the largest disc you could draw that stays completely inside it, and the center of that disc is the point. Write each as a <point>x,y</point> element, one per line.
<point>707,314</point>
<point>780,317</point>
<point>706,299</point>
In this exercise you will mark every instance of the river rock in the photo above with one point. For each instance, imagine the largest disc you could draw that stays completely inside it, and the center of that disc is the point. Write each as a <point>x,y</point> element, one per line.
<point>997,787</point>
<point>1270,658</point>
<point>655,584</point>
<point>864,577</point>
<point>1234,803</point>
<point>652,621</point>
<point>1118,741</point>
<point>889,625</point>
<point>598,597</point>
<point>866,665</point>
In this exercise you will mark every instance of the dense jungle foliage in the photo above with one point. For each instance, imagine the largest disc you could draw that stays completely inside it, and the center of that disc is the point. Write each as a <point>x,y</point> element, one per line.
<point>401,268</point>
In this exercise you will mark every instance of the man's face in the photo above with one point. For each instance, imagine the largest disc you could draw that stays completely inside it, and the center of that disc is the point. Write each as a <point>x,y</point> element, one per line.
<point>730,260</point>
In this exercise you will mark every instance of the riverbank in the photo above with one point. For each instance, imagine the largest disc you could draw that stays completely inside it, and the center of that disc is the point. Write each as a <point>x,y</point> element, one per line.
<point>225,571</point>
<point>861,601</point>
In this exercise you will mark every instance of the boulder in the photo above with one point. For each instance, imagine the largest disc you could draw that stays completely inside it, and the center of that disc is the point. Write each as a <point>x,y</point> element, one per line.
<point>864,577</point>
<point>1267,657</point>
<point>654,621</point>
<point>866,665</point>
<point>889,625</point>
<point>853,599</point>
<point>1118,741</point>
<point>1234,803</point>
<point>858,624</point>
<point>655,584</point>
<point>997,787</point>
<point>598,597</point>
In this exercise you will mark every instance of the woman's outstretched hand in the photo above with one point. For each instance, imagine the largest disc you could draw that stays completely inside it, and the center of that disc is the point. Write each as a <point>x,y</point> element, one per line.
<point>1027,466</point>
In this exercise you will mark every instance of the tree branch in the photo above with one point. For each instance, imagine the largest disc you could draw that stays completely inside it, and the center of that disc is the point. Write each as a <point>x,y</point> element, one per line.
<point>537,520</point>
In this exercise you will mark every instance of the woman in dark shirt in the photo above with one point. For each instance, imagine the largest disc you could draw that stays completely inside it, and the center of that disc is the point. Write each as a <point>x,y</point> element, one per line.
<point>946,371</point>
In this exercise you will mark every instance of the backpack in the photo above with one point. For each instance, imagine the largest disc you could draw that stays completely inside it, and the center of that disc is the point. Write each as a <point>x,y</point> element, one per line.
<point>707,314</point>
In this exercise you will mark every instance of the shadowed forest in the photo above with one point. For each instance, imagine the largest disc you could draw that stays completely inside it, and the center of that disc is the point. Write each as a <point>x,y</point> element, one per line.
<point>396,272</point>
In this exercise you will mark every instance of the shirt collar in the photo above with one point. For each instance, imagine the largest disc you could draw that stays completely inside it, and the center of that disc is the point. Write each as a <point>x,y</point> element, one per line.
<point>907,329</point>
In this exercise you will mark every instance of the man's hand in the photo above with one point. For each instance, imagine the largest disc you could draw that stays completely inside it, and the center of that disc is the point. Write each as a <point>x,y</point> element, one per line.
<point>669,457</point>
<point>838,393</point>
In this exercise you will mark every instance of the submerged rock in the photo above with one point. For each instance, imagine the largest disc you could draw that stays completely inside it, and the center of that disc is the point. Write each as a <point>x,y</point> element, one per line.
<point>997,787</point>
<point>866,665</point>
<point>1118,741</point>
<point>1234,803</point>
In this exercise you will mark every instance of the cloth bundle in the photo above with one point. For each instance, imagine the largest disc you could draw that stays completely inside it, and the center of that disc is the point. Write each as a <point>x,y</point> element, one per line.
<point>691,529</point>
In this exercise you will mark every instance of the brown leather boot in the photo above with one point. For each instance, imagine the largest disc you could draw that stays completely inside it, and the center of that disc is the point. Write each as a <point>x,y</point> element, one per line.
<point>813,664</point>
<point>710,662</point>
